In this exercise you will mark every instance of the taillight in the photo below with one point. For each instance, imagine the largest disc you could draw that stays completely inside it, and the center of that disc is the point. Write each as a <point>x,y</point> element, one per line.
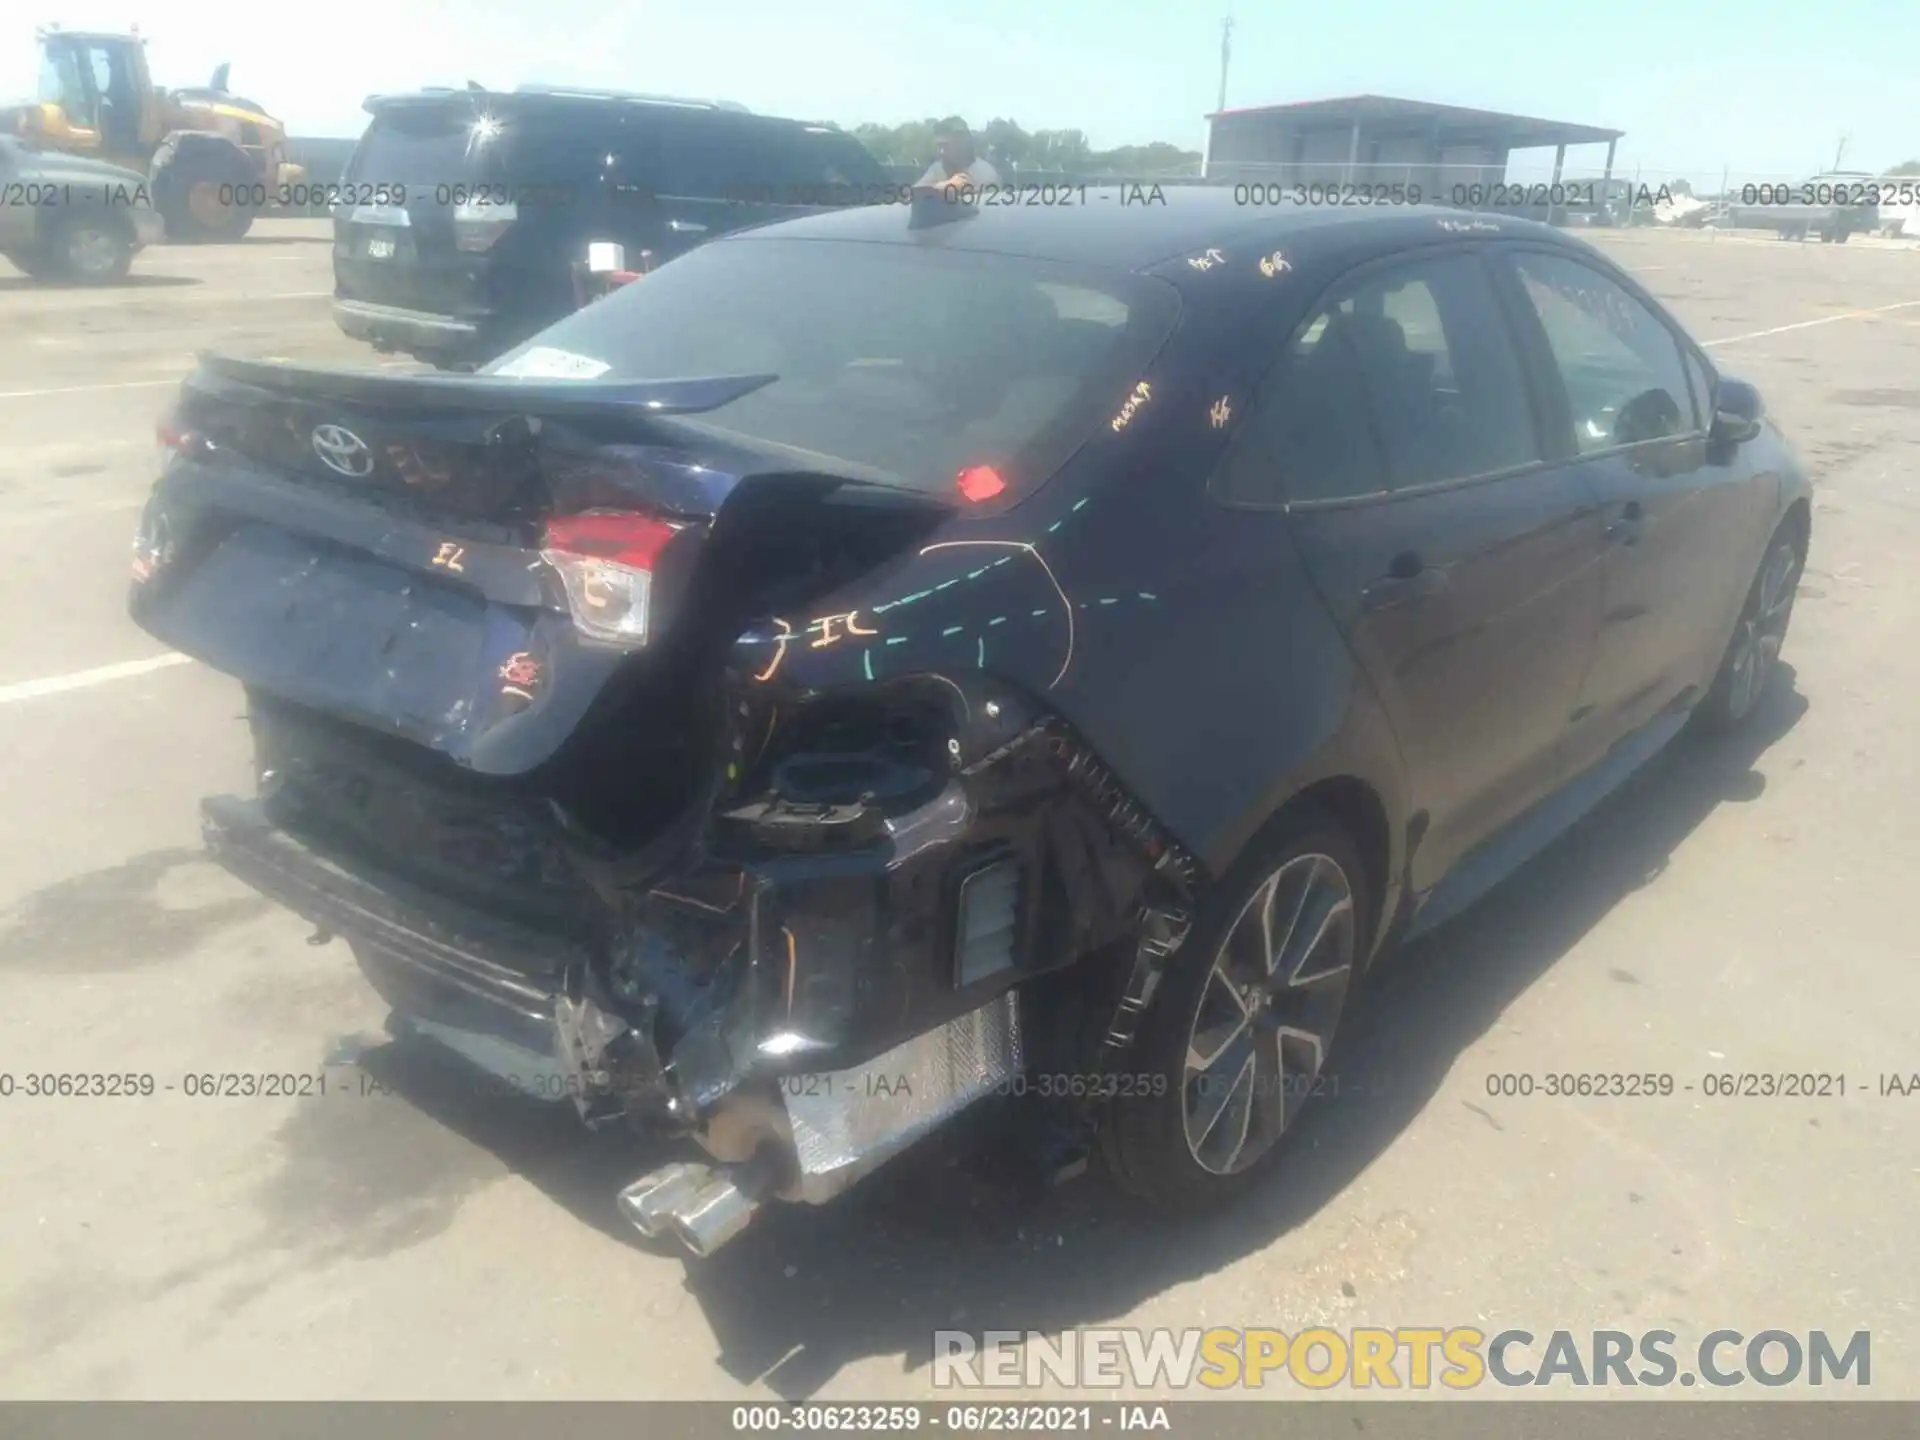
<point>176,439</point>
<point>477,223</point>
<point>605,559</point>
<point>979,483</point>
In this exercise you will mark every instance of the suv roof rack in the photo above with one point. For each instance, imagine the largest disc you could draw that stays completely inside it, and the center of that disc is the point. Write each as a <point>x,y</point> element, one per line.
<point>581,92</point>
<point>593,93</point>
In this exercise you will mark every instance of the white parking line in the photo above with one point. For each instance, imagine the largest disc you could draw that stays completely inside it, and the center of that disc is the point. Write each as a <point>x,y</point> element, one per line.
<point>11,518</point>
<point>1809,324</point>
<point>86,679</point>
<point>86,389</point>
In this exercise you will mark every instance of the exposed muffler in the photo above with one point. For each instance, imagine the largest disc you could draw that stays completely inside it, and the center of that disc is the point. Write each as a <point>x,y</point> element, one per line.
<point>698,1205</point>
<point>818,1139</point>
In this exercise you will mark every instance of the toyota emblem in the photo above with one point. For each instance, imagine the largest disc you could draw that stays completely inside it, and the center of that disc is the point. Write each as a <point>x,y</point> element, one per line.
<point>342,451</point>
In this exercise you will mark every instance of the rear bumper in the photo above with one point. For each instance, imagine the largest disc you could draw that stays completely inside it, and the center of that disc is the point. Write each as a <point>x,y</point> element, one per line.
<point>433,960</point>
<point>412,330</point>
<point>509,1000</point>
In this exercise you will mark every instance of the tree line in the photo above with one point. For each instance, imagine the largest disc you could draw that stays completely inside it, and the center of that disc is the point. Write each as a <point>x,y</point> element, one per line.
<point>1011,149</point>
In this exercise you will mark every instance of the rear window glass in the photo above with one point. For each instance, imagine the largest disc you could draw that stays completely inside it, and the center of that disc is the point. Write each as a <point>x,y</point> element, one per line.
<point>424,146</point>
<point>895,364</point>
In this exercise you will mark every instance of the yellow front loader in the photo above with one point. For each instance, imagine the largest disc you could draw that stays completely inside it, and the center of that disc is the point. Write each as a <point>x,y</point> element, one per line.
<point>213,160</point>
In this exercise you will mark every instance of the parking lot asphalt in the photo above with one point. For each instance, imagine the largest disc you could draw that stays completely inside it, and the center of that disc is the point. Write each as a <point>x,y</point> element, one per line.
<point>1739,908</point>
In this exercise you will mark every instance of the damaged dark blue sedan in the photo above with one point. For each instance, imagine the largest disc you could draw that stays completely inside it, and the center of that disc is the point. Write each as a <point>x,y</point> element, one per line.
<point>909,660</point>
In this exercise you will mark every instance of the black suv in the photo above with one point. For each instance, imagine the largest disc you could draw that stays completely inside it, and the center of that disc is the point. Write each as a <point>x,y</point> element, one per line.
<point>466,216</point>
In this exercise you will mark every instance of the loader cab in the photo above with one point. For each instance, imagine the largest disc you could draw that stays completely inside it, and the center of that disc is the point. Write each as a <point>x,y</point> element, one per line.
<point>96,98</point>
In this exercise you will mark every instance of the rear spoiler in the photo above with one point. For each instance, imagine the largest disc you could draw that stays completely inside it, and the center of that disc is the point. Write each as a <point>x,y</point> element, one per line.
<point>571,399</point>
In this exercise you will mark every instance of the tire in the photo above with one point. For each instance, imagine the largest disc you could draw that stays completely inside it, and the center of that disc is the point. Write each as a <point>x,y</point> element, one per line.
<point>1753,653</point>
<point>186,192</point>
<point>1261,1062</point>
<point>81,248</point>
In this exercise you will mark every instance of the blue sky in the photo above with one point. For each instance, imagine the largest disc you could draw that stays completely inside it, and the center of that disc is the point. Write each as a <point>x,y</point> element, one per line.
<point>1697,84</point>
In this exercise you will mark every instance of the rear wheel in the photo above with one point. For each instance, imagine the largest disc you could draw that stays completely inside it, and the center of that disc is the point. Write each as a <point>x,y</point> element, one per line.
<point>1239,1032</point>
<point>1754,651</point>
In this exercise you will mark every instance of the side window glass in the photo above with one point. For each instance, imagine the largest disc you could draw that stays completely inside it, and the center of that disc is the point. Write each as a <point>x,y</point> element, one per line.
<point>1623,370</point>
<point>1308,437</point>
<point>60,83</point>
<point>1441,375</point>
<point>676,158</point>
<point>1408,379</point>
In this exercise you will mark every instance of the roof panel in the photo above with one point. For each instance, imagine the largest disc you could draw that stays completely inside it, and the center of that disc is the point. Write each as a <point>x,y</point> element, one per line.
<point>1106,233</point>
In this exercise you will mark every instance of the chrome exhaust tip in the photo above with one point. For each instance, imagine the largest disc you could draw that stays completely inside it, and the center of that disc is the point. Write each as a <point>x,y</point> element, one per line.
<point>698,1206</point>
<point>712,1215</point>
<point>646,1201</point>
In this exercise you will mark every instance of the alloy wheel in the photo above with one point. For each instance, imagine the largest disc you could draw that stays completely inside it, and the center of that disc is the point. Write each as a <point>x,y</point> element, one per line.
<point>1267,1013</point>
<point>93,252</point>
<point>1762,628</point>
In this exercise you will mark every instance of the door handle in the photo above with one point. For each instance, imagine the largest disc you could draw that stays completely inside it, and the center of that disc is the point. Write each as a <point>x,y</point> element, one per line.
<point>1408,577</point>
<point>686,227</point>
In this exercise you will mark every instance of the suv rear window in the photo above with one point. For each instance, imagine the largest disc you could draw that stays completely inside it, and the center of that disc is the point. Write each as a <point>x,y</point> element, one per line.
<point>422,146</point>
<point>898,365</point>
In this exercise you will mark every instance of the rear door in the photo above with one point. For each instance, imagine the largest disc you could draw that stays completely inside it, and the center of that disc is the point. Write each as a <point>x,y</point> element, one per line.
<point>1625,408</point>
<point>1460,561</point>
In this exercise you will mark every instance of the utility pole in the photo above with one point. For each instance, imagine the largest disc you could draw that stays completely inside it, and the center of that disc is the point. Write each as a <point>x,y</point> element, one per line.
<point>1226,54</point>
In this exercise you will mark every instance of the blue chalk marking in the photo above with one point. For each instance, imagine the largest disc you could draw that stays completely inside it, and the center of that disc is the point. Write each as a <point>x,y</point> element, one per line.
<point>1109,599</point>
<point>951,630</point>
<point>1078,503</point>
<point>896,640</point>
<point>1038,613</point>
<point>980,653</point>
<point>866,662</point>
<point>998,620</point>
<point>1148,595</point>
<point>1055,526</point>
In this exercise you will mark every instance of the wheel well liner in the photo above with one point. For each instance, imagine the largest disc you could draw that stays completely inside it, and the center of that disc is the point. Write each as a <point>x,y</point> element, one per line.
<point>1357,808</point>
<point>1799,522</point>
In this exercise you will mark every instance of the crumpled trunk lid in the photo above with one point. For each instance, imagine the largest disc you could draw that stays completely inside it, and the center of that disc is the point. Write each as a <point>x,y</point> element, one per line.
<point>378,548</point>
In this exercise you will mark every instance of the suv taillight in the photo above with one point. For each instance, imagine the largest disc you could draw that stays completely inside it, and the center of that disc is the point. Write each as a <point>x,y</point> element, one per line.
<point>605,560</point>
<point>478,223</point>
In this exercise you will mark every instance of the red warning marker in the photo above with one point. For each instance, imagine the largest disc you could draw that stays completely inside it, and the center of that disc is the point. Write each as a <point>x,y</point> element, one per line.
<point>980,482</point>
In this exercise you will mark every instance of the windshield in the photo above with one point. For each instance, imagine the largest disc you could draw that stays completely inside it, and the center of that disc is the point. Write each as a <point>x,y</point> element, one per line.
<point>894,361</point>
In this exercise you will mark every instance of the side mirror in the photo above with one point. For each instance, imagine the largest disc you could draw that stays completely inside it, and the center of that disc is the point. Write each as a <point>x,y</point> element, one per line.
<point>1737,409</point>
